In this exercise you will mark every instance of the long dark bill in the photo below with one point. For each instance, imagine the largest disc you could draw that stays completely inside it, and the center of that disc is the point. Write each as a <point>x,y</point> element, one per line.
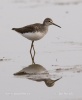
<point>56,25</point>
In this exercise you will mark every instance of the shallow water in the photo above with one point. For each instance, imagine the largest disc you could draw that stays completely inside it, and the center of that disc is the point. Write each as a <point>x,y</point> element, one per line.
<point>32,85</point>
<point>58,54</point>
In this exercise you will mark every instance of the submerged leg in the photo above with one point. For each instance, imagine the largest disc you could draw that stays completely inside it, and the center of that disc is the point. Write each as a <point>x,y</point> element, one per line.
<point>32,56</point>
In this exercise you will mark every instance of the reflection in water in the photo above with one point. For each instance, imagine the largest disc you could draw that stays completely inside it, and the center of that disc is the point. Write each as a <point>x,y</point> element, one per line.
<point>37,73</point>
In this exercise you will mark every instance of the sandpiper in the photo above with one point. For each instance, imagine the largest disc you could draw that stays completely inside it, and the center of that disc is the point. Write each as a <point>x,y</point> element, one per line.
<point>35,31</point>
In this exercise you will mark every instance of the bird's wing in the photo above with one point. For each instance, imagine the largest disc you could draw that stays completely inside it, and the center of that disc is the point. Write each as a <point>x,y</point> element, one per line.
<point>28,28</point>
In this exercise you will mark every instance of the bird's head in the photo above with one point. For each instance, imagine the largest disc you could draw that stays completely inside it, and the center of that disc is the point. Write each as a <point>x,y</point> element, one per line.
<point>48,21</point>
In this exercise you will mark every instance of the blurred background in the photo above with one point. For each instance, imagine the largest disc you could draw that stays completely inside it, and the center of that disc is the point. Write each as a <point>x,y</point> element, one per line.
<point>60,49</point>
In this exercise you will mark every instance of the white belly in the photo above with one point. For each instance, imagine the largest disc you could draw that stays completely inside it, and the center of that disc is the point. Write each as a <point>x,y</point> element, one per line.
<point>33,36</point>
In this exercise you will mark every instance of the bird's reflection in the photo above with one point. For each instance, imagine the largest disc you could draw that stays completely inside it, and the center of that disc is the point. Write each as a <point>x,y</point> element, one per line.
<point>37,72</point>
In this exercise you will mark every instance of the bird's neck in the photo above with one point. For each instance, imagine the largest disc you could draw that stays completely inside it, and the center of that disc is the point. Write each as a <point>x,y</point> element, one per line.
<point>45,25</point>
<point>44,29</point>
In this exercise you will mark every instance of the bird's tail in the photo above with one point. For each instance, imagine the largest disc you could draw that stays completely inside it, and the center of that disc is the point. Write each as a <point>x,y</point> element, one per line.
<point>20,30</point>
<point>20,73</point>
<point>13,28</point>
